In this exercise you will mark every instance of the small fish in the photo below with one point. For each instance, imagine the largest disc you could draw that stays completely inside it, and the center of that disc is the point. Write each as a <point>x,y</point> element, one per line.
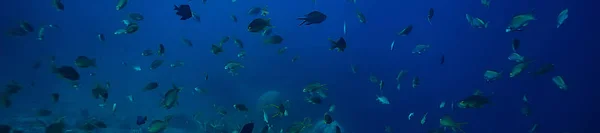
<point>442,59</point>
<point>240,107</point>
<point>41,33</point>
<point>406,31</point>
<point>265,117</point>
<point>558,80</point>
<point>55,97</point>
<point>327,118</point>
<point>161,49</point>
<point>564,14</point>
<point>361,17</point>
<point>392,46</point>
<point>382,99</point>
<point>424,119</point>
<point>234,18</point>
<point>331,107</point>
<point>247,128</point>
<point>443,104</point>
<point>430,15</point>
<point>101,37</point>
<point>533,129</point>
<point>525,98</point>
<point>205,76</point>
<point>259,24</point>
<point>344,27</point>
<point>486,3</point>
<point>516,44</point>
<point>339,45</point>
<point>398,86</point>
<point>520,21</point>
<point>275,39</point>
<point>58,5</point>
<point>314,17</point>
<point>114,108</point>
<point>155,64</point>
<point>121,4</point>
<point>130,98</point>
<point>381,85</point>
<point>411,115</point>
<point>141,120</point>
<point>184,11</point>
<point>416,82</point>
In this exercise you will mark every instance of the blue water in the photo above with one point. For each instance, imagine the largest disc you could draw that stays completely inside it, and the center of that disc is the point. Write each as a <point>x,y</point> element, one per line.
<point>468,51</point>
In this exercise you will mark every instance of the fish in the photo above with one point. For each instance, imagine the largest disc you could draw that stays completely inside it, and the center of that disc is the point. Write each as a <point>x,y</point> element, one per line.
<point>486,3</point>
<point>101,37</point>
<point>240,107</point>
<point>544,69</point>
<point>67,72</point>
<point>491,75</point>
<point>314,17</point>
<point>216,49</point>
<point>184,11</point>
<point>430,15</point>
<point>259,24</point>
<point>55,97</point>
<point>345,28</point>
<point>85,62</point>
<point>155,64</point>
<point>130,98</point>
<point>234,18</point>
<point>136,16</point>
<point>562,16</point>
<point>247,128</point>
<point>558,80</point>
<point>196,17</point>
<point>447,121</point>
<point>339,45</point>
<point>141,120</point>
<point>406,31</point>
<point>410,115</point>
<point>519,21</point>
<point>442,104</point>
<point>171,98</point>
<point>382,99</point>
<point>476,22</point>
<point>40,35</point>
<point>161,49</point>
<point>416,82</point>
<point>121,4</point>
<point>26,26</point>
<point>361,17</point>
<point>275,39</point>
<point>265,116</point>
<point>516,44</point>
<point>187,42</point>
<point>331,107</point>
<point>424,118</point>
<point>392,46</point>
<point>442,59</point>
<point>327,119</point>
<point>474,101</point>
<point>58,5</point>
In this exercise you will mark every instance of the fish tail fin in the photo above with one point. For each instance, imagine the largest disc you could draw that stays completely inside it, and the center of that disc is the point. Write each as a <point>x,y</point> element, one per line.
<point>486,24</point>
<point>176,8</point>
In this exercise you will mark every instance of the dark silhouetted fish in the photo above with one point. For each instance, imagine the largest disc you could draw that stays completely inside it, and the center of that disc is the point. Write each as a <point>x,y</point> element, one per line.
<point>314,17</point>
<point>141,120</point>
<point>247,128</point>
<point>259,24</point>
<point>67,72</point>
<point>184,11</point>
<point>340,44</point>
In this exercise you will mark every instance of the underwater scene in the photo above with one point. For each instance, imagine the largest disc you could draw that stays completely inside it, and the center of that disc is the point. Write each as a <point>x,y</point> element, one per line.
<point>298,66</point>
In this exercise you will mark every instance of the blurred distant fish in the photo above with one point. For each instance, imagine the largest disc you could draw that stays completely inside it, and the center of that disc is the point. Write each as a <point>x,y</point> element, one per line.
<point>564,14</point>
<point>141,120</point>
<point>121,4</point>
<point>184,11</point>
<point>58,5</point>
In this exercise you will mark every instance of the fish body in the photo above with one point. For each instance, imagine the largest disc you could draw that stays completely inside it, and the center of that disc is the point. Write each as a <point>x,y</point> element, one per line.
<point>136,16</point>
<point>41,35</point>
<point>339,45</point>
<point>141,120</point>
<point>491,75</point>
<point>314,17</point>
<point>85,62</point>
<point>259,24</point>
<point>558,80</point>
<point>121,4</point>
<point>184,11</point>
<point>361,17</point>
<point>564,14</point>
<point>474,101</point>
<point>518,22</point>
<point>516,57</point>
<point>67,72</point>
<point>430,15</point>
<point>382,99</point>
<point>150,86</point>
<point>275,39</point>
<point>155,64</point>
<point>420,49</point>
<point>157,126</point>
<point>58,5</point>
<point>171,98</point>
<point>406,31</point>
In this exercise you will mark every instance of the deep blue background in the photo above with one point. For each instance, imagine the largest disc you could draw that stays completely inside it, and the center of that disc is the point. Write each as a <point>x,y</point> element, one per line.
<point>469,52</point>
